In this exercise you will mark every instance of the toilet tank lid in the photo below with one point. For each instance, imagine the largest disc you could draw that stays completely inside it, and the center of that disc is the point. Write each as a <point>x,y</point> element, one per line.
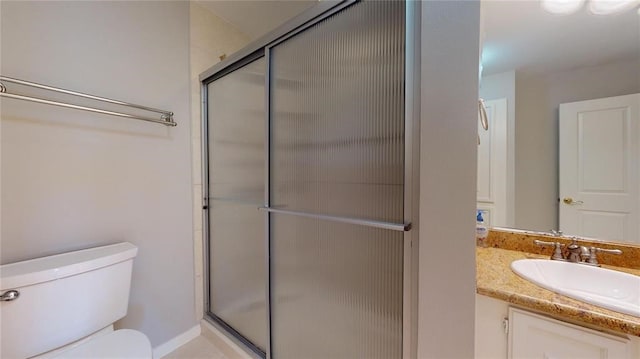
<point>58,266</point>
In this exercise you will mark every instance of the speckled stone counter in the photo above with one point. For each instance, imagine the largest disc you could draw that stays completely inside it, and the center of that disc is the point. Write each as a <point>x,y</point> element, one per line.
<point>495,279</point>
<point>523,241</point>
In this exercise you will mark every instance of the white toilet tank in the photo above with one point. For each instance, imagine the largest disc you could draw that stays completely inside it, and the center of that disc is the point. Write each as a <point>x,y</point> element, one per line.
<point>63,298</point>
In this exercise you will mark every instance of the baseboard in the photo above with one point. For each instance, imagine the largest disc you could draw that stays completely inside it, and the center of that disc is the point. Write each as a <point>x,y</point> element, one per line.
<point>176,342</point>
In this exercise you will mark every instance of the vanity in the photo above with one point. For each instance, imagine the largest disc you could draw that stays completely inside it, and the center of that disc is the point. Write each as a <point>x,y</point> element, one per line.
<point>516,318</point>
<point>560,152</point>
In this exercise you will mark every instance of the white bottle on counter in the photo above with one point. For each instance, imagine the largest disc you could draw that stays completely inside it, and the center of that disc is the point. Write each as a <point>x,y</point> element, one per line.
<point>481,230</point>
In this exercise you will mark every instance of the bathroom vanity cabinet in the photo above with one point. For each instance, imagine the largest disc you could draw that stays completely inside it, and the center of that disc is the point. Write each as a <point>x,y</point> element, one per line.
<point>503,331</point>
<point>535,336</point>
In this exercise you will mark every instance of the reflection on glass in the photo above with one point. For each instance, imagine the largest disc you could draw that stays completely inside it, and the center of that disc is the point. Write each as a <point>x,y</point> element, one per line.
<point>595,58</point>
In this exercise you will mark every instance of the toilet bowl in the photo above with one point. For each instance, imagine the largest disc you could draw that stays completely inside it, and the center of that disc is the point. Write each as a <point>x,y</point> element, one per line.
<point>64,306</point>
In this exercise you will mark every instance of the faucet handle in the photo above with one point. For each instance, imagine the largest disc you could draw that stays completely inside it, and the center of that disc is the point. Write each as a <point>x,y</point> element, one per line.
<point>557,252</point>
<point>585,254</point>
<point>593,259</point>
<point>557,233</point>
<point>610,251</point>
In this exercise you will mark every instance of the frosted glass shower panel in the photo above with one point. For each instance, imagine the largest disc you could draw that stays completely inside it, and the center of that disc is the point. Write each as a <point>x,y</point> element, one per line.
<point>236,109</point>
<point>336,290</point>
<point>337,149</point>
<point>236,153</point>
<point>337,122</point>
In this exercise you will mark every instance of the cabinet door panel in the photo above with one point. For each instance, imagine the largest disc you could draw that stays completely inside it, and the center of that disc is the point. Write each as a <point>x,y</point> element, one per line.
<point>535,336</point>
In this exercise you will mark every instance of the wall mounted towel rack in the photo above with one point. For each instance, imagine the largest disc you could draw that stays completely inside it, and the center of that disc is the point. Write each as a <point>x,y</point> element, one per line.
<point>166,117</point>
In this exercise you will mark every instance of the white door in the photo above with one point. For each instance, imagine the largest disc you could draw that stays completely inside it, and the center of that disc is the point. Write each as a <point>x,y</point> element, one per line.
<point>599,160</point>
<point>492,165</point>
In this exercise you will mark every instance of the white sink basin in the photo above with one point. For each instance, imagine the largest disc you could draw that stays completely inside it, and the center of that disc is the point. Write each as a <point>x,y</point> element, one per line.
<point>605,288</point>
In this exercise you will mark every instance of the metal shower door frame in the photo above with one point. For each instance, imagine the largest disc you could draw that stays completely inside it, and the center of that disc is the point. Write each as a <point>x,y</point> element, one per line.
<point>262,47</point>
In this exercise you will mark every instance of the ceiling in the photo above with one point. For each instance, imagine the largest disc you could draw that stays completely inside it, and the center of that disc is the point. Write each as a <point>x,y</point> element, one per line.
<point>521,35</point>
<point>517,34</point>
<point>257,17</point>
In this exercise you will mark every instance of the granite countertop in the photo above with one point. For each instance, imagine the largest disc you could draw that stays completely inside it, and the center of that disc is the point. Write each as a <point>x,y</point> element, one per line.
<point>494,278</point>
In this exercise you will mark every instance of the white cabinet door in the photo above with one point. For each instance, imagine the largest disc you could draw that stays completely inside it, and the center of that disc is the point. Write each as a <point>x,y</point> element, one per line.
<point>535,336</point>
<point>599,168</point>
<point>491,334</point>
<point>492,165</point>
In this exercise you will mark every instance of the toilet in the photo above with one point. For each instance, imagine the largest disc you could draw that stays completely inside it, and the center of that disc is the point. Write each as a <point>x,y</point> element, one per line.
<point>64,306</point>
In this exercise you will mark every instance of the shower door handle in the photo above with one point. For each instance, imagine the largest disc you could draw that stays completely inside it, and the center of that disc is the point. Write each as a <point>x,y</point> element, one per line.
<point>402,227</point>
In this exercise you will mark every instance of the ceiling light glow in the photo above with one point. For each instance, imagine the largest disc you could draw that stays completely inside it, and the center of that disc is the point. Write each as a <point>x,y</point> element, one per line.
<point>606,7</point>
<point>562,7</point>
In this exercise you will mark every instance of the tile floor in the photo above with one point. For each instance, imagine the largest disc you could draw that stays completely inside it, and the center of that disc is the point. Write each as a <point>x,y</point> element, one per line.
<point>198,348</point>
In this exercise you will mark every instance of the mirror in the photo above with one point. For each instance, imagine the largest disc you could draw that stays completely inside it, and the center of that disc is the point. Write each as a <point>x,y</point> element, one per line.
<point>532,62</point>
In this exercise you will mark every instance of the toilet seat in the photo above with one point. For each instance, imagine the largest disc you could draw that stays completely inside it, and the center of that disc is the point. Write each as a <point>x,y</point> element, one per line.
<point>121,344</point>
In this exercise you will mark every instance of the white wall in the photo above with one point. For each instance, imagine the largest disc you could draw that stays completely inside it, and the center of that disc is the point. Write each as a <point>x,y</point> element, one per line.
<point>211,37</point>
<point>449,94</point>
<point>73,179</point>
<point>586,83</point>
<point>536,138</point>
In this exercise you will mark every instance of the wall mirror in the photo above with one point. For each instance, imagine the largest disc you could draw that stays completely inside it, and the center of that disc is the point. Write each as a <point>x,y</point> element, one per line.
<point>562,95</point>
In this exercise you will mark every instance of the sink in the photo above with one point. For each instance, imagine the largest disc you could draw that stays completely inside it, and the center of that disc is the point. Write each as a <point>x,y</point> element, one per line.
<point>617,291</point>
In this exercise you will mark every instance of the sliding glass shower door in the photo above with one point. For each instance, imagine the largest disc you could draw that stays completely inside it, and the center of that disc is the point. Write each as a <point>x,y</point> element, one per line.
<point>337,186</point>
<point>310,128</point>
<point>236,172</point>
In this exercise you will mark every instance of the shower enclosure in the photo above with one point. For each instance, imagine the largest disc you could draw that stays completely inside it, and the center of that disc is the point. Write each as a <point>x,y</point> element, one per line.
<point>310,169</point>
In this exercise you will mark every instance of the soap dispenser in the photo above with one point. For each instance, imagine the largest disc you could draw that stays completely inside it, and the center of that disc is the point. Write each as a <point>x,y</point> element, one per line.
<point>481,230</point>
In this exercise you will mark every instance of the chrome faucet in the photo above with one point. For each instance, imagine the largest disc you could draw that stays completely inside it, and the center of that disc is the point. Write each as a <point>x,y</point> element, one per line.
<point>576,253</point>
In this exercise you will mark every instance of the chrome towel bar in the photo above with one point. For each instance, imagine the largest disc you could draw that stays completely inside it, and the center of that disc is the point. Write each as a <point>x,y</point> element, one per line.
<point>166,117</point>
